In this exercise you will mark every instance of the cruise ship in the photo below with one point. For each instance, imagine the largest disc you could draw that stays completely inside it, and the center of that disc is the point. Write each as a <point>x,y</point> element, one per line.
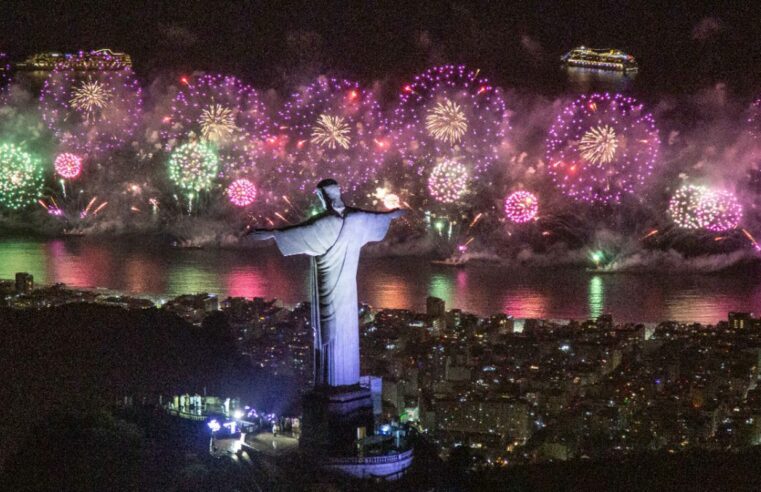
<point>103,59</point>
<point>601,59</point>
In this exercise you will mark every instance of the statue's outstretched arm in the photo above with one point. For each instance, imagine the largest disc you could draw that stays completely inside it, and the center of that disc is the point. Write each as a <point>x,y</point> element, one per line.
<point>376,223</point>
<point>261,234</point>
<point>394,213</point>
<point>265,234</point>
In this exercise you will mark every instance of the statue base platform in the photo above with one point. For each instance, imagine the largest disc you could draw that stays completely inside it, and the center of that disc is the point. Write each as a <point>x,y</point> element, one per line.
<point>332,416</point>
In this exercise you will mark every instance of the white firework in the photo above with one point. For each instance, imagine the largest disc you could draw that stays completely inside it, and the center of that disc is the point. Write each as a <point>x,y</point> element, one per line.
<point>599,145</point>
<point>217,123</point>
<point>331,132</point>
<point>446,122</point>
<point>90,97</point>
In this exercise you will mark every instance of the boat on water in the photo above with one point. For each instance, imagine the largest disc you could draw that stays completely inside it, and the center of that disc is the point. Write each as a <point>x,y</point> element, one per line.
<point>600,59</point>
<point>455,261</point>
<point>599,270</point>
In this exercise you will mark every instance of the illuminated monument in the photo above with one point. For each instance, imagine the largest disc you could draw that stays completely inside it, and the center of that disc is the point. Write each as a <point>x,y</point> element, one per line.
<point>338,412</point>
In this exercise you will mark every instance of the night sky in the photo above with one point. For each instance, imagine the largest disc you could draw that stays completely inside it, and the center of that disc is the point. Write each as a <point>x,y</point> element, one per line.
<point>679,44</point>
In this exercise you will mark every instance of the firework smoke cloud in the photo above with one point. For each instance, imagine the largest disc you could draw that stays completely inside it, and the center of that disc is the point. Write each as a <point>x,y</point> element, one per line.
<point>602,147</point>
<point>224,113</point>
<point>334,128</point>
<point>92,111</point>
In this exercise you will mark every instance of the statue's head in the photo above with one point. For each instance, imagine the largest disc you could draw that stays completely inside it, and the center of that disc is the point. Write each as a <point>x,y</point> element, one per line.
<point>330,194</point>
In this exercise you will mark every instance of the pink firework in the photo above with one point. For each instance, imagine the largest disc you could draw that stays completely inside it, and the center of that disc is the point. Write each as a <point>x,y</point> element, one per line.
<point>521,207</point>
<point>92,110</point>
<point>601,148</point>
<point>68,165</point>
<point>754,119</point>
<point>700,207</point>
<point>241,192</point>
<point>5,74</point>
<point>222,111</point>
<point>450,111</point>
<point>331,128</point>
<point>720,211</point>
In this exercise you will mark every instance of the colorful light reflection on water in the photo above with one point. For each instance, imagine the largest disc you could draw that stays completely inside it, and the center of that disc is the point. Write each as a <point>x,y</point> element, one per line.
<point>158,271</point>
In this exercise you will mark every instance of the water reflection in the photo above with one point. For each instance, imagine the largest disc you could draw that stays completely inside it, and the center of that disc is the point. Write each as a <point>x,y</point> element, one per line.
<point>23,256</point>
<point>192,279</point>
<point>525,303</point>
<point>140,275</point>
<point>80,263</point>
<point>596,297</point>
<point>245,282</point>
<point>391,282</point>
<point>590,80</point>
<point>441,286</point>
<point>392,291</point>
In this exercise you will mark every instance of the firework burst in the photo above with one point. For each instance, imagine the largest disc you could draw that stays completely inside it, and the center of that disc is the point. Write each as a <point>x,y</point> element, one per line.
<point>89,98</point>
<point>217,123</point>
<point>68,165</point>
<point>446,122</point>
<point>448,181</point>
<point>330,128</point>
<point>450,112</point>
<point>22,177</point>
<point>5,75</point>
<point>331,132</point>
<point>94,111</point>
<point>754,119</point>
<point>698,207</point>
<point>222,111</point>
<point>599,145</point>
<point>521,207</point>
<point>193,168</point>
<point>241,192</point>
<point>602,147</point>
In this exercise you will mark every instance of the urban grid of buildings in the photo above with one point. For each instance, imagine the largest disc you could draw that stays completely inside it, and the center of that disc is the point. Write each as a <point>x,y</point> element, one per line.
<point>512,391</point>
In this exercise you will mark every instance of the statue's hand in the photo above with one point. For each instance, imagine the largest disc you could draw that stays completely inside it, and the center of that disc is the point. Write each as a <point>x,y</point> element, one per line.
<point>396,213</point>
<point>261,234</point>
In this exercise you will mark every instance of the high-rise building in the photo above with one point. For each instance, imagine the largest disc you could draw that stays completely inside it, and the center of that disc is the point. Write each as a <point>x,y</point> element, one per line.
<point>436,310</point>
<point>435,307</point>
<point>24,283</point>
<point>737,320</point>
<point>605,321</point>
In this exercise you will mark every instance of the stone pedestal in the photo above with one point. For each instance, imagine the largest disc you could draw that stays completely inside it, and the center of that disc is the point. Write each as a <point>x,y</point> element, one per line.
<point>331,416</point>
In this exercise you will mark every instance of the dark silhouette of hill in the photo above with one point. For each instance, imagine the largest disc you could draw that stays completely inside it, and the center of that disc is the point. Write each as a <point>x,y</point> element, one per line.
<point>689,471</point>
<point>92,356</point>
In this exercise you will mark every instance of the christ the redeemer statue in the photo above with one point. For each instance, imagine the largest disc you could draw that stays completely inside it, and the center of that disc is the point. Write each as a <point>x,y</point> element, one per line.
<point>333,239</point>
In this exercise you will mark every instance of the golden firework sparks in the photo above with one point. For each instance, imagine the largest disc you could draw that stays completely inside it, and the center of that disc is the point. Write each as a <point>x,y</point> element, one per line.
<point>599,145</point>
<point>331,131</point>
<point>217,123</point>
<point>446,122</point>
<point>90,97</point>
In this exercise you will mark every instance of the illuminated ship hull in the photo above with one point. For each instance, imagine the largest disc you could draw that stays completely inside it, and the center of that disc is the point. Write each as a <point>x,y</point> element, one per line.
<point>611,60</point>
<point>104,59</point>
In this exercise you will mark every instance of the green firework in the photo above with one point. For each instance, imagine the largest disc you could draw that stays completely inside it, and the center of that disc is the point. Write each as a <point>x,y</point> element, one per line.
<point>22,177</point>
<point>193,167</point>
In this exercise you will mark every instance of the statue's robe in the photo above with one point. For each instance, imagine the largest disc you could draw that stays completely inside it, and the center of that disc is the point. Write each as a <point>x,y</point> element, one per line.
<point>334,241</point>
